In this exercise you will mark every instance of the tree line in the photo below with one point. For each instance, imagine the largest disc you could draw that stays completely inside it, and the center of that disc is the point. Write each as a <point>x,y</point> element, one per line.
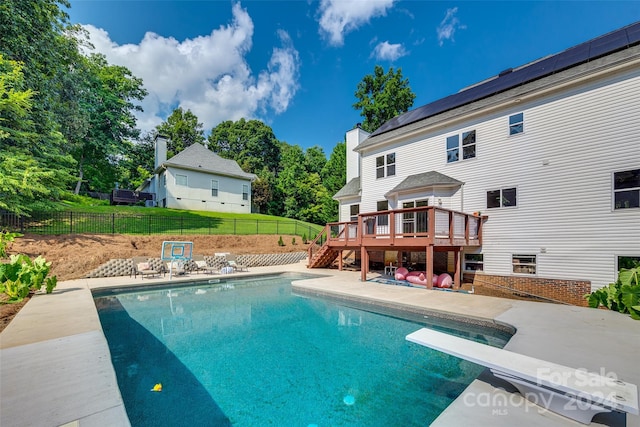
<point>67,125</point>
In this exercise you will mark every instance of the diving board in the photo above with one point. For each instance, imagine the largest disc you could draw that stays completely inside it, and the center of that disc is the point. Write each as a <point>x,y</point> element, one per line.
<point>573,393</point>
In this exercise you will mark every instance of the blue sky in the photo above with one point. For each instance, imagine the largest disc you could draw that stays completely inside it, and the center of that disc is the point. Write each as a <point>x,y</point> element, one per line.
<point>296,64</point>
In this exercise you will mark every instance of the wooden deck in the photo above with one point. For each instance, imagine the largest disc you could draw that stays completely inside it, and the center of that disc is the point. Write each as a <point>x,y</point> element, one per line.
<point>419,229</point>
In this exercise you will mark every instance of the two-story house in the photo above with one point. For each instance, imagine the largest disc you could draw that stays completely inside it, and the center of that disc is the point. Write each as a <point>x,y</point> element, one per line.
<point>547,154</point>
<point>198,179</point>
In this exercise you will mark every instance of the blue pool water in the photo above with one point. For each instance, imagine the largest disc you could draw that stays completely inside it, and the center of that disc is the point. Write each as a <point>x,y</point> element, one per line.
<point>249,352</point>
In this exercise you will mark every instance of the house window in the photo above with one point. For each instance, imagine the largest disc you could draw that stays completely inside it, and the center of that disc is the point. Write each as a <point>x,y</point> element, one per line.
<point>453,150</point>
<point>386,165</point>
<point>413,222</point>
<point>502,198</point>
<point>383,205</point>
<point>626,189</point>
<point>181,180</point>
<point>214,188</point>
<point>164,180</point>
<point>516,124</point>
<point>473,262</point>
<point>468,146</point>
<point>524,264</point>
<point>628,262</point>
<point>245,192</point>
<point>354,211</point>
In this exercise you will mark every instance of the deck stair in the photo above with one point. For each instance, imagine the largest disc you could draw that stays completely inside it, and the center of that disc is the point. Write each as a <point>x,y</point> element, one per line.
<point>325,256</point>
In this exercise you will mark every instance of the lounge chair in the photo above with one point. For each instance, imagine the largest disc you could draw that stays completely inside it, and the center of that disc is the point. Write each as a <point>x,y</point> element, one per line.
<point>142,266</point>
<point>201,265</point>
<point>232,261</point>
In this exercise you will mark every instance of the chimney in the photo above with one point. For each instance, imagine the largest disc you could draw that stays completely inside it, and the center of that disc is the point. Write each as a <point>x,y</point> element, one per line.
<point>354,138</point>
<point>160,146</point>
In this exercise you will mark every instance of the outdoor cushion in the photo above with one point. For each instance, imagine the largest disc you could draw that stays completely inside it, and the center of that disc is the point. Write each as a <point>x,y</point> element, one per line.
<point>143,266</point>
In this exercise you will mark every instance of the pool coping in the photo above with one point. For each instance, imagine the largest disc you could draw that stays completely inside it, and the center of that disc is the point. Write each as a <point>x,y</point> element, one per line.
<point>54,357</point>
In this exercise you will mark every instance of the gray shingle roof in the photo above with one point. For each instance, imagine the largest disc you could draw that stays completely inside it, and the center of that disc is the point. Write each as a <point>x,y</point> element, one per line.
<point>426,179</point>
<point>351,189</point>
<point>197,157</point>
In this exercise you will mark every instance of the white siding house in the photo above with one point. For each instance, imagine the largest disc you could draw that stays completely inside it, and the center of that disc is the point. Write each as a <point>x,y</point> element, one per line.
<point>551,157</point>
<point>198,179</point>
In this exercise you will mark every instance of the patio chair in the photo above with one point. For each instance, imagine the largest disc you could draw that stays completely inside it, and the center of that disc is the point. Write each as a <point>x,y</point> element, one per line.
<point>202,265</point>
<point>232,261</point>
<point>142,266</point>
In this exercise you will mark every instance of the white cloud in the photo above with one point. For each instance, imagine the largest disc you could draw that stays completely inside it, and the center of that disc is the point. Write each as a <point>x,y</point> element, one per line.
<point>388,52</point>
<point>339,17</point>
<point>449,25</point>
<point>208,75</point>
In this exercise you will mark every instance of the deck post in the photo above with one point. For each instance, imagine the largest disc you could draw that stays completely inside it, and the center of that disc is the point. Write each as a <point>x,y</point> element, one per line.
<point>429,260</point>
<point>457,264</point>
<point>340,260</point>
<point>364,263</point>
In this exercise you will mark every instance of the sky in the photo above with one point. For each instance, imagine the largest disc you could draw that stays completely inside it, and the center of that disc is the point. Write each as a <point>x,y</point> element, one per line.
<point>296,64</point>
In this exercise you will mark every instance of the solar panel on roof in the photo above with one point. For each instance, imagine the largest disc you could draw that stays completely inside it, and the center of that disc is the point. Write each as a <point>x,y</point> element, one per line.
<point>608,43</point>
<point>592,49</point>
<point>573,56</point>
<point>633,34</point>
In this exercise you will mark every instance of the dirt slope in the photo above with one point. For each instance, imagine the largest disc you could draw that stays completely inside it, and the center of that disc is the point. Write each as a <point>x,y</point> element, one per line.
<point>73,256</point>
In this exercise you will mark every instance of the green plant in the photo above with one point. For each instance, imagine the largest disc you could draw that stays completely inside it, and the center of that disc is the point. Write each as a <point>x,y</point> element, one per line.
<point>24,275</point>
<point>622,296</point>
<point>6,239</point>
<point>304,239</point>
<point>293,241</point>
<point>280,241</point>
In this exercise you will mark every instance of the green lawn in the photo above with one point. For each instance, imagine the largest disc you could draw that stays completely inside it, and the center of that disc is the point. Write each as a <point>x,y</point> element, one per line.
<point>100,218</point>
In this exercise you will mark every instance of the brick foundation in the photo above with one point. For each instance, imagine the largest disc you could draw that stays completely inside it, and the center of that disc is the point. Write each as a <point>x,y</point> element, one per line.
<point>569,291</point>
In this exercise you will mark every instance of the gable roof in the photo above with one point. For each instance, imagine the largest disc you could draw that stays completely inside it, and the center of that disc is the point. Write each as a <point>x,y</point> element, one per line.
<point>351,189</point>
<point>607,44</point>
<point>425,180</point>
<point>199,158</point>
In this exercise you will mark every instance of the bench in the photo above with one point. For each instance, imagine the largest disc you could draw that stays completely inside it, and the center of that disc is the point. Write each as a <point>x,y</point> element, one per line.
<point>573,393</point>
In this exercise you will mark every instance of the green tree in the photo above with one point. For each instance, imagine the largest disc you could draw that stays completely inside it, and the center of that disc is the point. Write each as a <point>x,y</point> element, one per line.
<point>382,97</point>
<point>250,143</point>
<point>36,33</point>
<point>334,172</point>
<point>26,181</point>
<point>136,166</point>
<point>183,130</point>
<point>314,159</point>
<point>109,103</point>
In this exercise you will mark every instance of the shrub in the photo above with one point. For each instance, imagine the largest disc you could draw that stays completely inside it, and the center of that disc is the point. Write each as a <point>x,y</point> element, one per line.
<point>280,242</point>
<point>6,239</point>
<point>622,296</point>
<point>293,241</point>
<point>304,238</point>
<point>22,276</point>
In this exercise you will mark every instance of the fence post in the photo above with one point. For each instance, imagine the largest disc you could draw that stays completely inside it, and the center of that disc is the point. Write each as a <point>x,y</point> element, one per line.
<point>234,225</point>
<point>277,227</point>
<point>181,224</point>
<point>257,225</point>
<point>150,219</point>
<point>113,223</point>
<point>70,222</point>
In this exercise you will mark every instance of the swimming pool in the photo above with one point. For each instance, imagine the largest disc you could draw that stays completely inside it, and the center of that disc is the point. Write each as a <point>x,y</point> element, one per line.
<point>250,352</point>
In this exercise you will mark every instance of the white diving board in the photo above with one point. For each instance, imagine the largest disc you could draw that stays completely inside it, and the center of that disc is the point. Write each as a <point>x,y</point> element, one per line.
<point>573,393</point>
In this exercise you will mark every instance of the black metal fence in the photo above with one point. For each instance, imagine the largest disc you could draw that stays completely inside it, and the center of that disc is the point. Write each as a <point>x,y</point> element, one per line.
<point>52,223</point>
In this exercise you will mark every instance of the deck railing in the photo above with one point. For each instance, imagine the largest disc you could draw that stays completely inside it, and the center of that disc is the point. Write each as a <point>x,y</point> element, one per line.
<point>425,225</point>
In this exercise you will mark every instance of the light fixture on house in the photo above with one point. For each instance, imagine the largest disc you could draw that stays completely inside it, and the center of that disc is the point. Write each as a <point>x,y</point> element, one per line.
<point>439,202</point>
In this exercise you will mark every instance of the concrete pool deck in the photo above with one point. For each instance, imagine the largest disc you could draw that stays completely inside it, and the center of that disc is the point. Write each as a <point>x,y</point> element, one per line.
<point>55,365</point>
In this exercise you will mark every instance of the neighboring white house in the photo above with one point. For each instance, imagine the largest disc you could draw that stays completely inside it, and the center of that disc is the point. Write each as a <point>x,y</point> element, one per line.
<point>549,151</point>
<point>198,179</point>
